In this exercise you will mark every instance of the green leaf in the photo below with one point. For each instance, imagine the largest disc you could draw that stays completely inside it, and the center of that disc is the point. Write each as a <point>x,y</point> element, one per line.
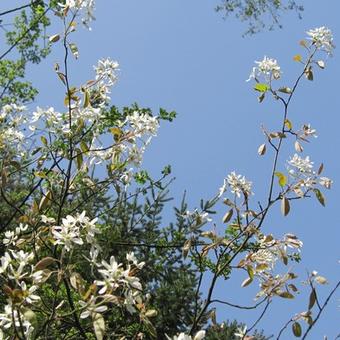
<point>44,140</point>
<point>261,87</point>
<point>296,328</point>
<point>287,90</point>
<point>282,178</point>
<point>288,124</point>
<point>74,50</point>
<point>319,196</point>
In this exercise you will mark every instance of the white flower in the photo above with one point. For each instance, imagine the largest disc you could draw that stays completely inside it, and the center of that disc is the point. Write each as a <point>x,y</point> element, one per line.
<point>303,165</point>
<point>308,131</point>
<point>322,38</point>
<point>326,182</point>
<point>132,258</point>
<point>238,184</point>
<point>28,294</point>
<point>90,308</point>
<point>87,6</point>
<point>143,124</point>
<point>106,70</point>
<point>268,68</point>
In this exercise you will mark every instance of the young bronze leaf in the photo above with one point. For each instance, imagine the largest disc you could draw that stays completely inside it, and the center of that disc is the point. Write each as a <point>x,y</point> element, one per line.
<point>45,262</point>
<point>228,216</point>
<point>186,247</point>
<point>247,282</point>
<point>312,299</point>
<point>285,207</point>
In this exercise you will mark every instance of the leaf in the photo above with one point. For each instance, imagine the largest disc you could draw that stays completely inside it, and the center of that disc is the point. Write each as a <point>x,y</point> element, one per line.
<point>86,98</point>
<point>151,313</point>
<point>262,149</point>
<point>261,97</point>
<point>285,295</point>
<point>45,201</point>
<point>261,87</point>
<point>287,90</point>
<point>320,169</point>
<point>309,73</point>
<point>296,328</point>
<point>74,50</point>
<point>247,282</point>
<point>80,159</point>
<point>285,207</point>
<point>83,146</point>
<point>54,38</point>
<point>298,146</point>
<point>228,216</point>
<point>186,248</point>
<point>282,178</point>
<point>288,124</point>
<point>319,196</point>
<point>297,57</point>
<point>44,263</point>
<point>62,77</point>
<point>43,140</point>
<point>98,325</point>
<point>312,299</point>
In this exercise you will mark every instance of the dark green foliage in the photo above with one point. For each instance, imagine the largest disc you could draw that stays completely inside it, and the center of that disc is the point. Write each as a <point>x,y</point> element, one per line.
<point>258,13</point>
<point>227,330</point>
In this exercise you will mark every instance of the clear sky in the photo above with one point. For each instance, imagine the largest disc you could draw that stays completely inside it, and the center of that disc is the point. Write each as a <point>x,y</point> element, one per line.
<point>181,55</point>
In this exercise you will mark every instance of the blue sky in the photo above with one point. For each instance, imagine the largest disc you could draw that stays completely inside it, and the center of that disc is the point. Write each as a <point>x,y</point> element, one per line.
<point>181,55</point>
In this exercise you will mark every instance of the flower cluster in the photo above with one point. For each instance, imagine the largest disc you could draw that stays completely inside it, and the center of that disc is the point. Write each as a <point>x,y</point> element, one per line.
<point>268,68</point>
<point>322,38</point>
<point>87,6</point>
<point>11,121</point>
<point>302,165</point>
<point>106,71</point>
<point>238,185</point>
<point>74,229</point>
<point>301,170</point>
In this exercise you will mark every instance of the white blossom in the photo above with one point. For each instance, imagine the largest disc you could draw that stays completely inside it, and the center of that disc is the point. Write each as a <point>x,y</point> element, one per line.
<point>268,68</point>
<point>322,38</point>
<point>326,182</point>
<point>303,165</point>
<point>238,184</point>
<point>143,124</point>
<point>90,308</point>
<point>86,6</point>
<point>106,71</point>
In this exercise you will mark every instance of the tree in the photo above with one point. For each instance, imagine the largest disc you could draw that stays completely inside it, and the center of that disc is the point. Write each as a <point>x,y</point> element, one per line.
<point>256,12</point>
<point>84,252</point>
